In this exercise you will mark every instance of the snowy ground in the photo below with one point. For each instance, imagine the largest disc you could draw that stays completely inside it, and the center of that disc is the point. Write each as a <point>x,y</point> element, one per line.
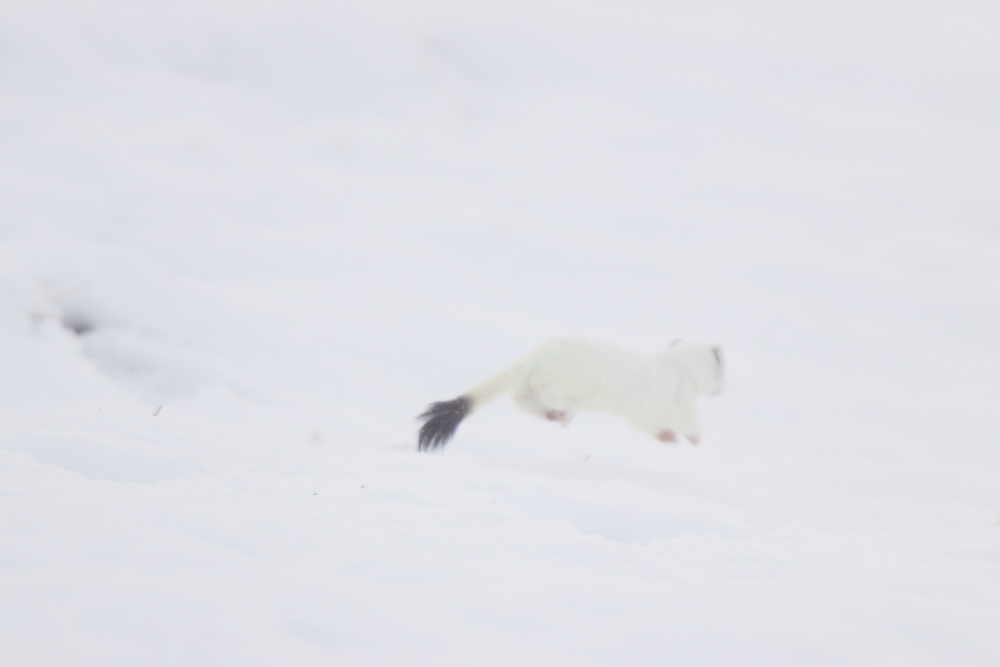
<point>244,244</point>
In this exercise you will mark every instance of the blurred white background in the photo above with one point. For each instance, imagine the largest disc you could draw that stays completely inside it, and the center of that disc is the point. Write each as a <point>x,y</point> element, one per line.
<point>285,227</point>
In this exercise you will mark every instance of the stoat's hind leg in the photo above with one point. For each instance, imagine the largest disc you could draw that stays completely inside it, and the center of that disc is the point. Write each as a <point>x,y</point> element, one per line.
<point>527,399</point>
<point>564,417</point>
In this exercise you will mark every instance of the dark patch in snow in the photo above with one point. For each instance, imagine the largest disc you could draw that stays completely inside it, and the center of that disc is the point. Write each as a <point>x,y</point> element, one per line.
<point>77,323</point>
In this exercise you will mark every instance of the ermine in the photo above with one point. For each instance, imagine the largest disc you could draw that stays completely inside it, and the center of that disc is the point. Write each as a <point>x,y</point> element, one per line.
<point>656,393</point>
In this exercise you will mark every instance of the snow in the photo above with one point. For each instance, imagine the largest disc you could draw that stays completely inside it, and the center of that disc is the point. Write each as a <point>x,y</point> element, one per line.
<point>242,246</point>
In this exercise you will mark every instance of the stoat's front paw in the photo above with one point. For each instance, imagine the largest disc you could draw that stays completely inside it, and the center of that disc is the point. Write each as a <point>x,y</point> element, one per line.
<point>667,436</point>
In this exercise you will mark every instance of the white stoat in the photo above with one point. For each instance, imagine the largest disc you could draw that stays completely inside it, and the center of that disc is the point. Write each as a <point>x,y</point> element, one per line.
<point>656,393</point>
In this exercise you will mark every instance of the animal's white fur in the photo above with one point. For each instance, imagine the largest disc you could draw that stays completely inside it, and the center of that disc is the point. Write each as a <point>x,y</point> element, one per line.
<point>657,393</point>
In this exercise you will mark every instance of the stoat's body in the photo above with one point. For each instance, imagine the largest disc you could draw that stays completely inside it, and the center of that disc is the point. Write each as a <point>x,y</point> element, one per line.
<point>656,393</point>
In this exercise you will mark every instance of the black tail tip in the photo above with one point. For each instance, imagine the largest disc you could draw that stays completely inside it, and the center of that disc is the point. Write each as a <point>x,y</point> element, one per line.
<point>441,420</point>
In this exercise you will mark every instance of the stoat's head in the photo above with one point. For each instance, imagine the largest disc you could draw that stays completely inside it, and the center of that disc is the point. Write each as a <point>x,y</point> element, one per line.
<point>706,363</point>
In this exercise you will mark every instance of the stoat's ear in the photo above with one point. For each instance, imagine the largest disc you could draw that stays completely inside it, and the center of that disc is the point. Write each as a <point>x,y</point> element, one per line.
<point>676,341</point>
<point>717,351</point>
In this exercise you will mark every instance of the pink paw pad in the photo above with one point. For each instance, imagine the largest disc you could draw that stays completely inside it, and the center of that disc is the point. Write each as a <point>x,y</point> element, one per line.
<point>556,415</point>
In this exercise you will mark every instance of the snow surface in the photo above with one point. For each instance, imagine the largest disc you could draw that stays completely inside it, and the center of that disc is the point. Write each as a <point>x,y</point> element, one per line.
<point>245,243</point>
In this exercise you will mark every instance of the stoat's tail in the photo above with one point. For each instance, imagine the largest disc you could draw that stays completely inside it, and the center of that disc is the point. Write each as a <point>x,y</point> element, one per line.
<point>441,419</point>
